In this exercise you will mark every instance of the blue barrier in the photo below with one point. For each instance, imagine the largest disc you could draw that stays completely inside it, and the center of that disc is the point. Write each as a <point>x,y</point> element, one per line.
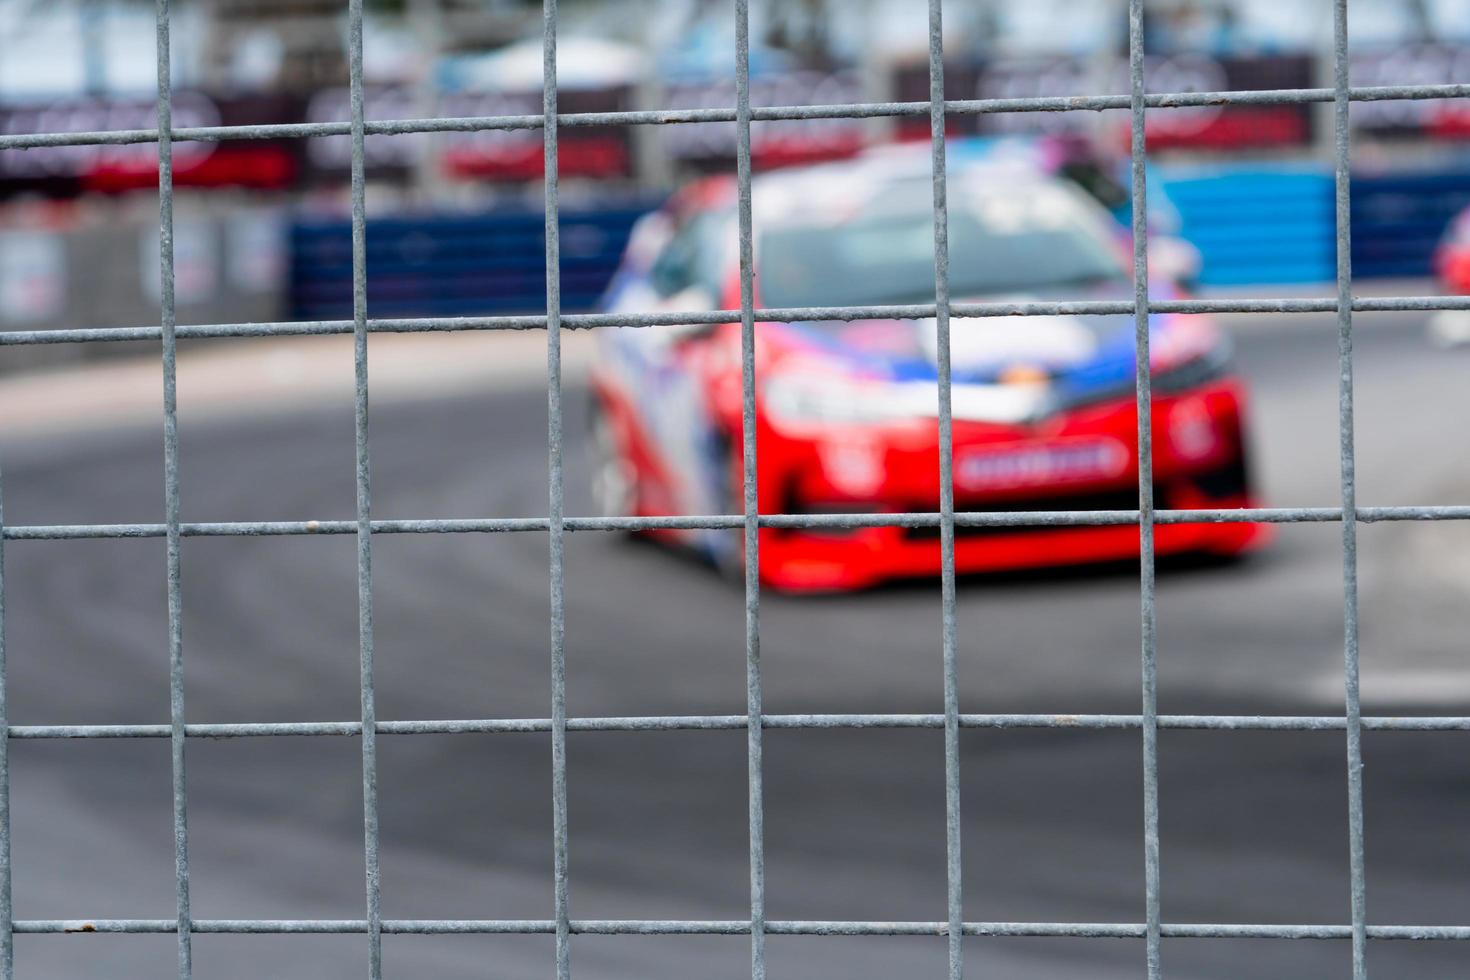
<point>1255,224</point>
<point>463,265</point>
<point>1258,225</point>
<point>1398,219</point>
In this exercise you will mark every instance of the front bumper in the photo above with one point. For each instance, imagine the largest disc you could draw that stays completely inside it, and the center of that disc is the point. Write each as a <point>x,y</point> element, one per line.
<point>806,560</point>
<point>1199,463</point>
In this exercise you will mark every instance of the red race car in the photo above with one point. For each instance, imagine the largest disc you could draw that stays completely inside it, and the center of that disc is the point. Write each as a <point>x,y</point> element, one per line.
<point>846,412</point>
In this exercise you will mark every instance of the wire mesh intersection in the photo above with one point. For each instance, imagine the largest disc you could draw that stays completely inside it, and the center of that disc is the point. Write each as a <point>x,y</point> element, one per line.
<point>1148,721</point>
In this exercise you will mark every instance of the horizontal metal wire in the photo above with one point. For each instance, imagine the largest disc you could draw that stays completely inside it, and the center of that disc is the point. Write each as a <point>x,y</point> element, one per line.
<point>680,723</point>
<point>590,321</point>
<point>738,927</point>
<point>497,525</point>
<point>662,117</point>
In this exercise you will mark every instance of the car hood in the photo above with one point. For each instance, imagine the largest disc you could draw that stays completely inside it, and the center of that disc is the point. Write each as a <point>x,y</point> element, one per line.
<point>1075,353</point>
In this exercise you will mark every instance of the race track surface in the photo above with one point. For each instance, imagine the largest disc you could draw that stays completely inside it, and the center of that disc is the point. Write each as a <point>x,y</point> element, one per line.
<point>1253,824</point>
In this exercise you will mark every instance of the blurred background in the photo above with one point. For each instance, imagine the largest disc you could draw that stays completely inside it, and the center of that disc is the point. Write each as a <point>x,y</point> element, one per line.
<point>1254,826</point>
<point>261,225</point>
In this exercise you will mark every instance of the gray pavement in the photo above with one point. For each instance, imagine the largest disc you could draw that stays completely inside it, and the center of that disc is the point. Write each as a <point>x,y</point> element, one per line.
<point>1253,824</point>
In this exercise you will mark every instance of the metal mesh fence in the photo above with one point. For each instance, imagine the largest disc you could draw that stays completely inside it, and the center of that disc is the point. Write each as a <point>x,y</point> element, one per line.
<point>556,525</point>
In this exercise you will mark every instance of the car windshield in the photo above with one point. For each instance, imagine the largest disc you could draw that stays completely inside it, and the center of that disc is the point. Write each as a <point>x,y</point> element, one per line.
<point>1035,239</point>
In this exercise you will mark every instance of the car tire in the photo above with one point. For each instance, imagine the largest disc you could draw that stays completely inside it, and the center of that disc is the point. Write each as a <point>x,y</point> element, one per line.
<point>614,479</point>
<point>729,555</point>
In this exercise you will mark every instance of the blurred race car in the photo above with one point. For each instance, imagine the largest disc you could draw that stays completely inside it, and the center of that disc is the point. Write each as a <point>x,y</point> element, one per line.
<point>1452,258</point>
<point>846,412</point>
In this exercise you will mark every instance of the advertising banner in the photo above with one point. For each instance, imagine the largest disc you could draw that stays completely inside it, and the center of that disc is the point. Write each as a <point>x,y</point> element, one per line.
<point>505,154</point>
<point>1413,64</point>
<point>511,155</point>
<point>773,143</point>
<point>64,171</point>
<point>1221,128</point>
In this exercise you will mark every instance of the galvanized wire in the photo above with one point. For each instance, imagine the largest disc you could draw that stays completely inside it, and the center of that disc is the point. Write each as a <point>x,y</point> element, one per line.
<point>556,510</point>
<point>174,577</point>
<point>513,525</point>
<point>741,927</point>
<point>7,935</point>
<point>1148,616</point>
<point>754,695</point>
<point>954,899</point>
<point>659,117</point>
<point>1344,275</point>
<point>671,723</point>
<point>364,526</point>
<point>591,321</point>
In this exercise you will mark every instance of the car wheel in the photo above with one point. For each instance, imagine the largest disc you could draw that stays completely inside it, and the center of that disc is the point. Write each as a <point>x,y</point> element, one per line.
<point>728,547</point>
<point>614,479</point>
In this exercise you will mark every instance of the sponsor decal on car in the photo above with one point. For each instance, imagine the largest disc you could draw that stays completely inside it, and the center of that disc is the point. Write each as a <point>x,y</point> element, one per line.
<point>1021,465</point>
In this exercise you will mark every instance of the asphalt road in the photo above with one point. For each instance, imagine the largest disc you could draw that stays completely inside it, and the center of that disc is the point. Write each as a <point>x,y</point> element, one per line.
<point>1253,824</point>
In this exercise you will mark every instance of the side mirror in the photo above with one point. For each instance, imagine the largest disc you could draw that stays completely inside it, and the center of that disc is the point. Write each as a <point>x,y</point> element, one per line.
<point>1175,259</point>
<point>690,300</point>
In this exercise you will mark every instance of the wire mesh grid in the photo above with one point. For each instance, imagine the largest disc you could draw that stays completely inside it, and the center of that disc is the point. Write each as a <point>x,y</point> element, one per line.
<point>1147,721</point>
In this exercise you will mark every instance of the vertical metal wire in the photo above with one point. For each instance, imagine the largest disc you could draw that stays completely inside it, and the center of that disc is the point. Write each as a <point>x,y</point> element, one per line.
<point>1146,570</point>
<point>556,512</point>
<point>171,490</point>
<point>1353,709</point>
<point>7,936</point>
<point>753,700</point>
<point>946,496</point>
<point>364,502</point>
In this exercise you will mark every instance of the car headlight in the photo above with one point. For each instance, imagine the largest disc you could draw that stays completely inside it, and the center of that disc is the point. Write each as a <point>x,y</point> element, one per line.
<point>800,398</point>
<point>1186,341</point>
<point>797,399</point>
<point>1206,357</point>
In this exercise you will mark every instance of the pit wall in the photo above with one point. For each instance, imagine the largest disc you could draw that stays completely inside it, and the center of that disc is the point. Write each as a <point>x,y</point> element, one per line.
<point>1254,224</point>
<point>1273,224</point>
